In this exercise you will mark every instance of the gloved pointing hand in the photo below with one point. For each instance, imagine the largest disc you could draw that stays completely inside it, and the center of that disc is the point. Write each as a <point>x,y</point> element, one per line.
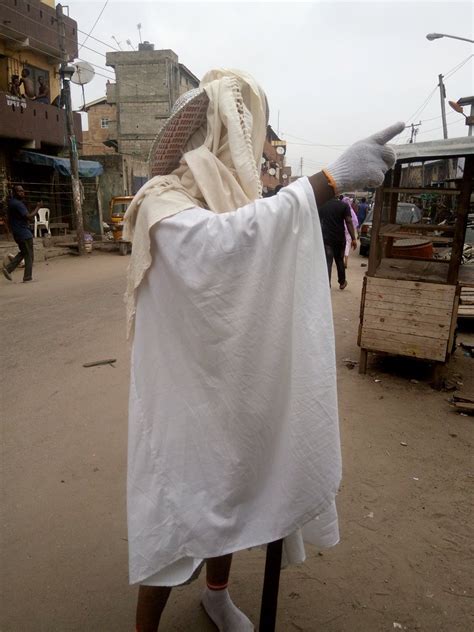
<point>365,163</point>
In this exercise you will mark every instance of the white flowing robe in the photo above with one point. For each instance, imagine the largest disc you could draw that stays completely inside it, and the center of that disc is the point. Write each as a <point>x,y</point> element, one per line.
<point>233,425</point>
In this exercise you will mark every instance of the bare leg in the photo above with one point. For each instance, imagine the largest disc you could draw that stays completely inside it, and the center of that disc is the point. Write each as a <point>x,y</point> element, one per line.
<point>218,570</point>
<point>151,603</point>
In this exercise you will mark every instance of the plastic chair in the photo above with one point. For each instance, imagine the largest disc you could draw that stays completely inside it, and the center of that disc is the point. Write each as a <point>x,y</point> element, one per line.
<point>43,220</point>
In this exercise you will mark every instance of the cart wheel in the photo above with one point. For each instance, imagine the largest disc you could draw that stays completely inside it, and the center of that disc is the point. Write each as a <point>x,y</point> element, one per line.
<point>123,248</point>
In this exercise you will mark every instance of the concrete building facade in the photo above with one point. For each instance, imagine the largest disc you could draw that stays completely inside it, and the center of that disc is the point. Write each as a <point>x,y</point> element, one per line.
<point>101,137</point>
<point>274,170</point>
<point>148,82</point>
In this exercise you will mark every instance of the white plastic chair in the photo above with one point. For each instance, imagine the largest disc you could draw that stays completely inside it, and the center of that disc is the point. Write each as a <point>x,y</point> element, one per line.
<point>43,220</point>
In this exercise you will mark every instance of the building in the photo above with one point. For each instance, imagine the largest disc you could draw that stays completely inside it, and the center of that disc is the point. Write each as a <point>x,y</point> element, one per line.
<point>124,123</point>
<point>101,136</point>
<point>274,170</point>
<point>148,82</point>
<point>30,129</point>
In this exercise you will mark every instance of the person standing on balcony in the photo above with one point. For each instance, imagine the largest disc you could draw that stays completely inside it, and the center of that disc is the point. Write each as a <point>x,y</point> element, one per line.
<point>15,86</point>
<point>18,218</point>
<point>43,91</point>
<point>28,86</point>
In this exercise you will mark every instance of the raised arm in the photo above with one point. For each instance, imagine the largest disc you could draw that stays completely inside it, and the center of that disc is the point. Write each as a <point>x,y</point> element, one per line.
<point>364,164</point>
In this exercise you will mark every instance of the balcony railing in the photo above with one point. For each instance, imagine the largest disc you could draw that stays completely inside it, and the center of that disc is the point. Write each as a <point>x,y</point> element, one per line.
<point>32,24</point>
<point>35,124</point>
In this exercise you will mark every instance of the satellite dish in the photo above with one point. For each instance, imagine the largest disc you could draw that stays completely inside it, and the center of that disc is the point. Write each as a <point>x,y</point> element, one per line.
<point>84,73</point>
<point>272,171</point>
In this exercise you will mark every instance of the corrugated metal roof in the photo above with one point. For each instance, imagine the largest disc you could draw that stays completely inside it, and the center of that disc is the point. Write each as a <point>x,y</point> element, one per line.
<point>433,149</point>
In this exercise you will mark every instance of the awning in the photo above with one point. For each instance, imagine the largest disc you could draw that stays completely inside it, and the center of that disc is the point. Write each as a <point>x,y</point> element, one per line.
<point>87,168</point>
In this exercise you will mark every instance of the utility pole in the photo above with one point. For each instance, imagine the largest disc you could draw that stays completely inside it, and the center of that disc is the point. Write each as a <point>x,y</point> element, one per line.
<point>301,166</point>
<point>414,131</point>
<point>442,94</point>
<point>66,74</point>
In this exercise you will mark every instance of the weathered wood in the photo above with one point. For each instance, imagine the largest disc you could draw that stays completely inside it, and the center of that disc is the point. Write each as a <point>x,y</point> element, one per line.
<point>413,270</point>
<point>422,190</point>
<point>464,407</point>
<point>99,363</point>
<point>437,330</point>
<point>438,293</point>
<point>407,314</point>
<point>454,322</point>
<point>404,344</point>
<point>393,205</point>
<point>396,299</point>
<point>409,309</point>
<point>461,220</point>
<point>416,285</point>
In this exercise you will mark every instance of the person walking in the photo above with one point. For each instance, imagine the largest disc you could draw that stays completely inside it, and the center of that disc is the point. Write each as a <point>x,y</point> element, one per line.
<point>362,211</point>
<point>335,218</point>
<point>347,234</point>
<point>18,220</point>
<point>233,428</point>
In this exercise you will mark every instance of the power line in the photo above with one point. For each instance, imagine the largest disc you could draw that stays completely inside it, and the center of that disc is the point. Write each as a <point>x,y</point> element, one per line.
<point>39,50</point>
<point>310,143</point>
<point>454,70</point>
<point>95,24</point>
<point>420,109</point>
<point>450,73</point>
<point>70,39</point>
<point>434,129</point>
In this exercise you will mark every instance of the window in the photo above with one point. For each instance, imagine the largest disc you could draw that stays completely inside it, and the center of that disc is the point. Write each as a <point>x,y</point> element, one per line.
<point>104,123</point>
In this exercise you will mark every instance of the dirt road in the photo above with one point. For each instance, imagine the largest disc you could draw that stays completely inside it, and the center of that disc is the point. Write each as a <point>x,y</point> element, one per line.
<point>405,510</point>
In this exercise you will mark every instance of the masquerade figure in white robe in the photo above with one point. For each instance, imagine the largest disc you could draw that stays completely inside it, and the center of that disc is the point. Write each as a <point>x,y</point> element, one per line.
<point>233,428</point>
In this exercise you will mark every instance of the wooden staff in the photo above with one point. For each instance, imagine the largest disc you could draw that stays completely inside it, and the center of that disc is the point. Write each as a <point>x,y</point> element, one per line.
<point>271,582</point>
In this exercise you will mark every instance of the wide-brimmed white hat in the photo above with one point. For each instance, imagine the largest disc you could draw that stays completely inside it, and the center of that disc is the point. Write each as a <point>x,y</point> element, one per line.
<point>189,113</point>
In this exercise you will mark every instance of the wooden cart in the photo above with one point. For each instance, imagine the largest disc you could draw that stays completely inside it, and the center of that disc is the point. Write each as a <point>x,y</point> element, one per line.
<point>409,304</point>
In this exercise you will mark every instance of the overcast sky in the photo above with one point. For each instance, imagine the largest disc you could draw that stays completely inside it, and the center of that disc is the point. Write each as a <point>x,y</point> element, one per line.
<point>333,72</point>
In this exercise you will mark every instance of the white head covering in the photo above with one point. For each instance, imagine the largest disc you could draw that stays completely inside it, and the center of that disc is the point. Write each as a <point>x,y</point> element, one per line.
<point>219,169</point>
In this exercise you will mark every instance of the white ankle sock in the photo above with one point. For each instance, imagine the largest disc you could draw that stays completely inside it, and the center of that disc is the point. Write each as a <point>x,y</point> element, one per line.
<point>226,616</point>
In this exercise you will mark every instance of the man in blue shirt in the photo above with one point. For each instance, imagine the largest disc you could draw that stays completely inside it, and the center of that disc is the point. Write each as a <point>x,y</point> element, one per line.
<point>18,219</point>
<point>362,211</point>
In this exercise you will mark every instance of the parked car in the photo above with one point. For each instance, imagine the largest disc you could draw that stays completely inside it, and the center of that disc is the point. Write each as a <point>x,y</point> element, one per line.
<point>406,214</point>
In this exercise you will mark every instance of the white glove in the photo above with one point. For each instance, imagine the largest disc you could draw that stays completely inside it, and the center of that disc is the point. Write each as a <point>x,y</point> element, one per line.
<point>365,163</point>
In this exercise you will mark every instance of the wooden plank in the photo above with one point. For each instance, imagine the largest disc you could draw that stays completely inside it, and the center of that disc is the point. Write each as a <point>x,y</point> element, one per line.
<point>454,321</point>
<point>432,287</point>
<point>416,327</point>
<point>407,308</point>
<point>393,231</point>
<point>422,228</point>
<point>437,294</point>
<point>404,344</point>
<point>429,259</point>
<point>464,407</point>
<point>412,315</point>
<point>422,190</point>
<point>406,299</point>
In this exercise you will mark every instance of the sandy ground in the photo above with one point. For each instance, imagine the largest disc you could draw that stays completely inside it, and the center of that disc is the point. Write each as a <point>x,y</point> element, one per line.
<point>405,511</point>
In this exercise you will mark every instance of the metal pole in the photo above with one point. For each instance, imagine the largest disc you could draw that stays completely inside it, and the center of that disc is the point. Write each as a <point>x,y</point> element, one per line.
<point>469,131</point>
<point>442,94</point>
<point>271,584</point>
<point>72,143</point>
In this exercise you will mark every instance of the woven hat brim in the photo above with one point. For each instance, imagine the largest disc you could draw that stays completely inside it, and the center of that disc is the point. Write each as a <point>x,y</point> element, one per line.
<point>173,137</point>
